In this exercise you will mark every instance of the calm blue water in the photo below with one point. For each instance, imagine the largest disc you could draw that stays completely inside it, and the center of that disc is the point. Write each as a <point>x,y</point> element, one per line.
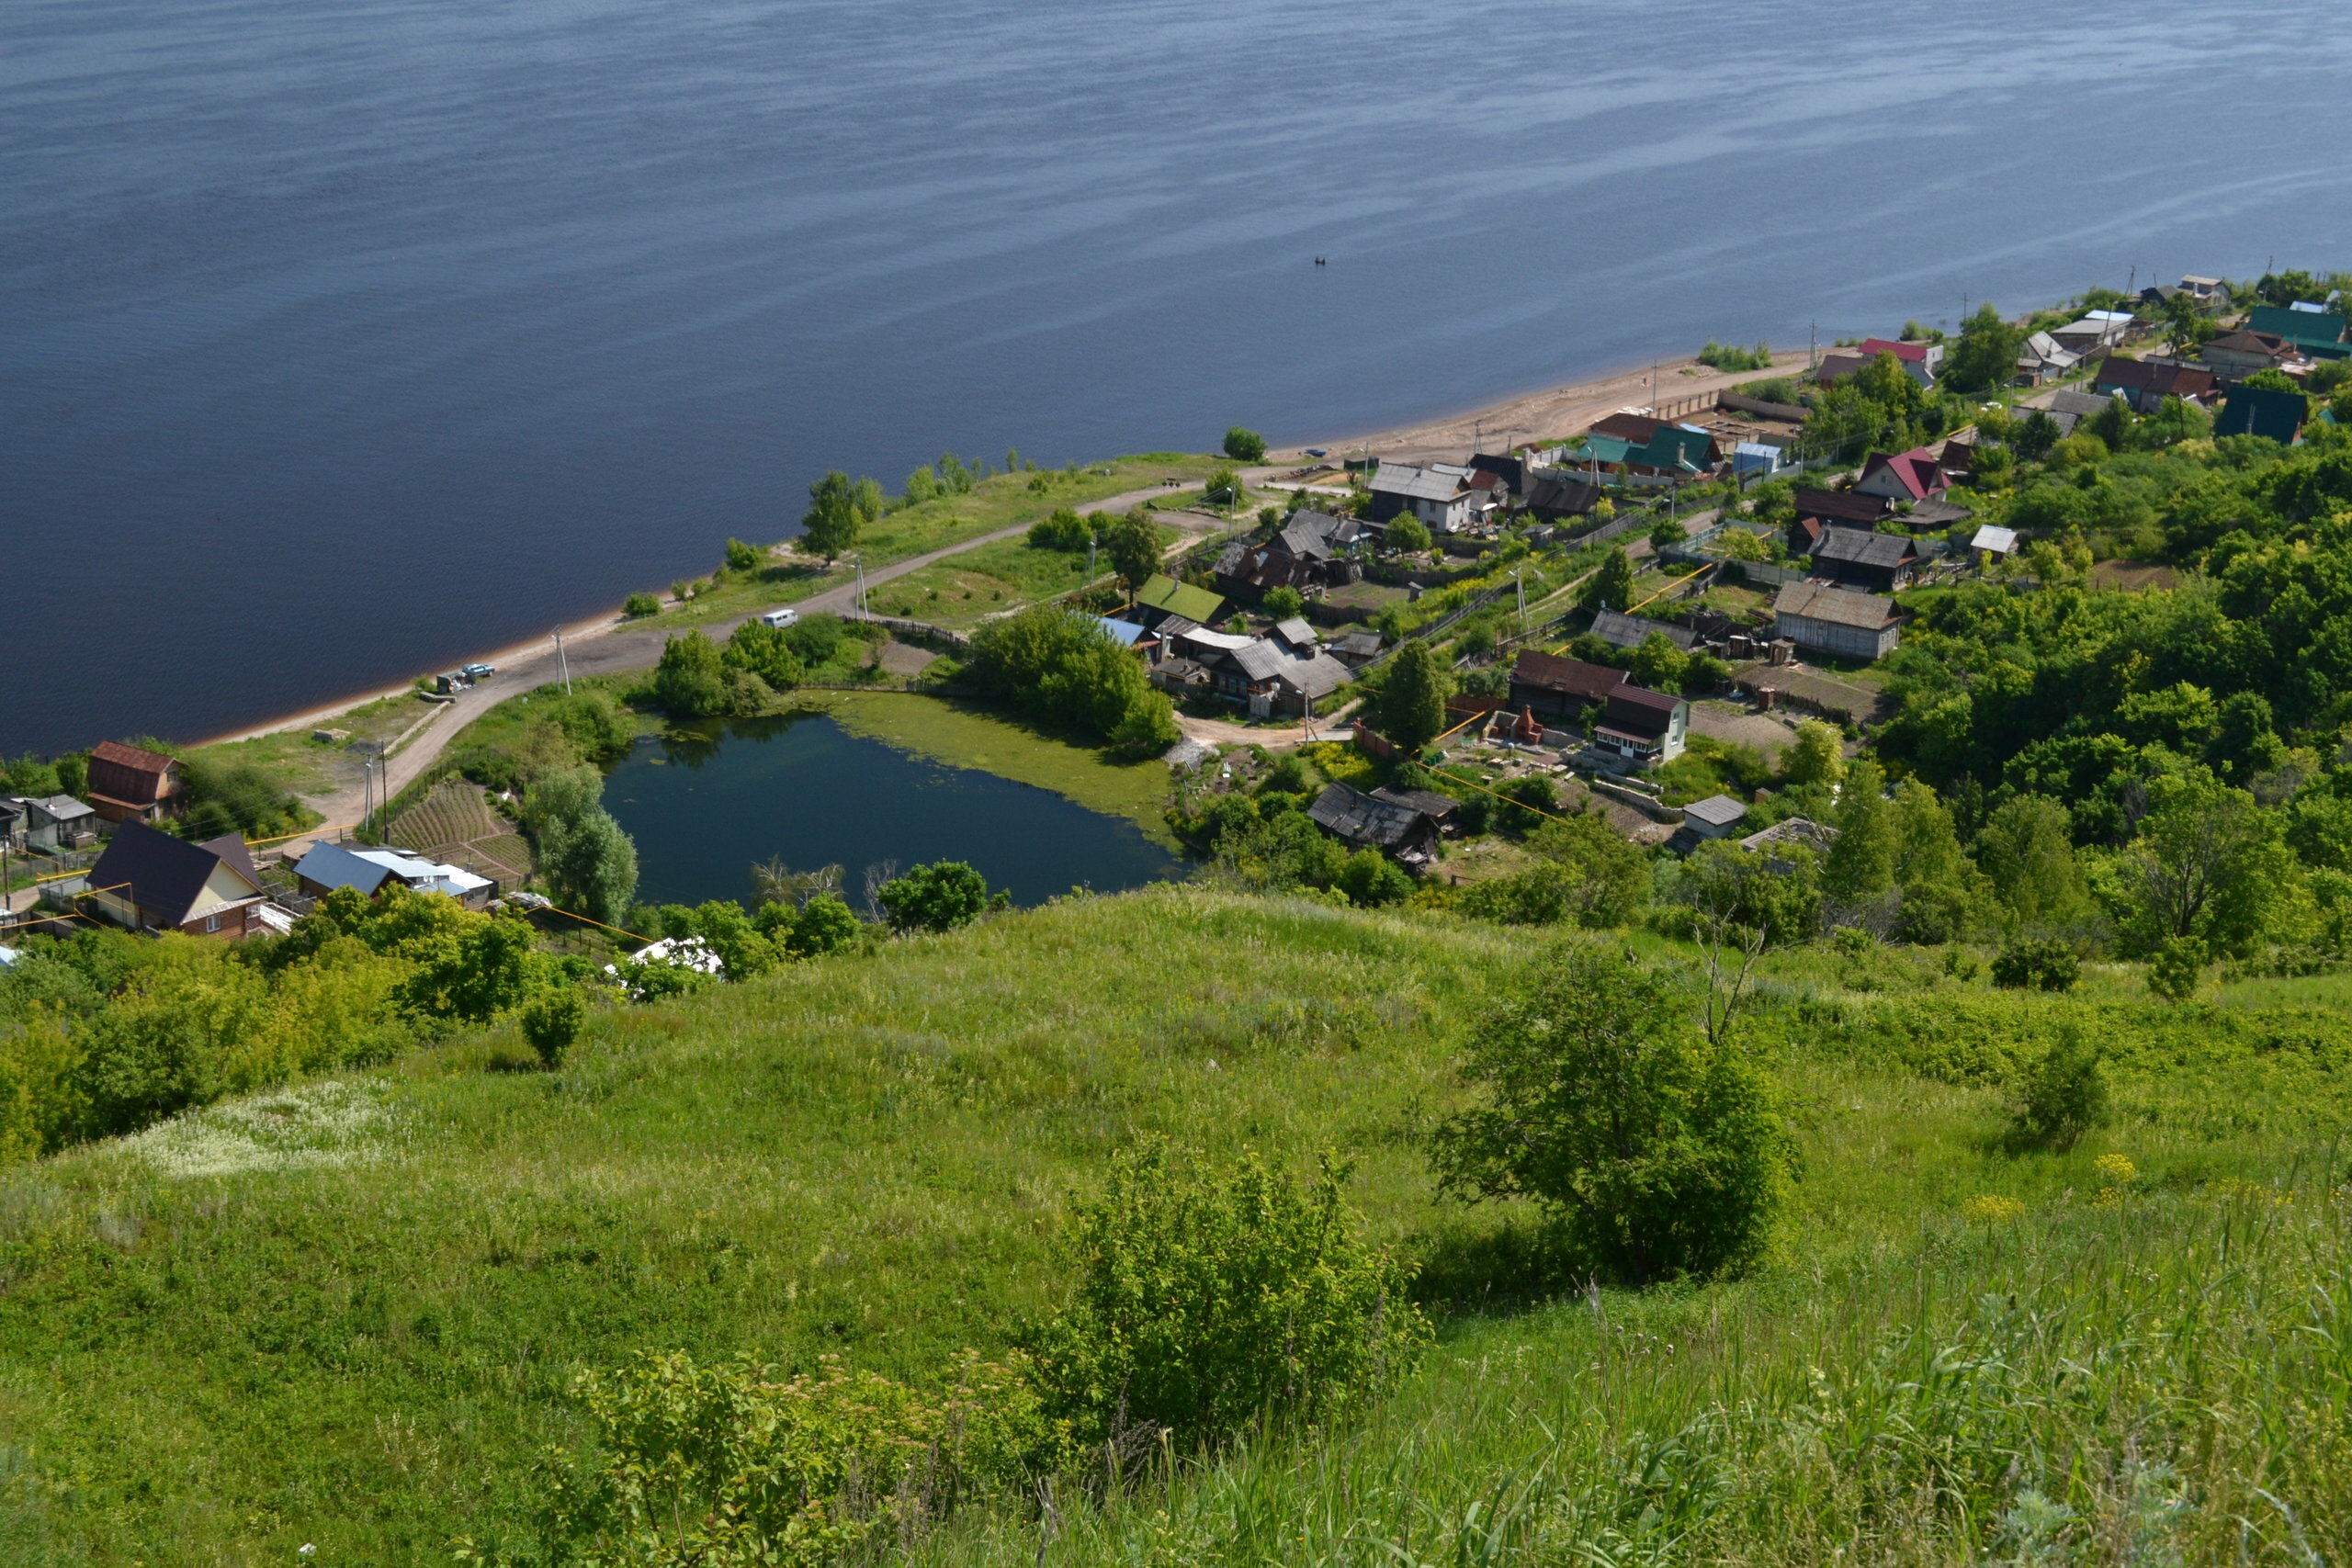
<point>807,791</point>
<point>343,337</point>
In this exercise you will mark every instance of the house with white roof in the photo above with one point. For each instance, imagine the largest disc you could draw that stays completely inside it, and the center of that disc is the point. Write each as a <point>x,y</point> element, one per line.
<point>326,867</point>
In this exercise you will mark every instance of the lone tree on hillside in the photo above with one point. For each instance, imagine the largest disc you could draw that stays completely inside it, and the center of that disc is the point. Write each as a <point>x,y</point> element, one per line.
<point>1661,1154</point>
<point>1407,532</point>
<point>831,523</point>
<point>1245,446</point>
<point>1133,545</point>
<point>1412,697</point>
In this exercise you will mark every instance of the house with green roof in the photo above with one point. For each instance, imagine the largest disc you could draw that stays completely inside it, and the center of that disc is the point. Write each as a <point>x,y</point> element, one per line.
<point>2319,334</point>
<point>2264,411</point>
<point>1166,596</point>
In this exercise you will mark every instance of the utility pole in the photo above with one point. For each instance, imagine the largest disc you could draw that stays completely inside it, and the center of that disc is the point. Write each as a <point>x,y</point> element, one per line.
<point>563,660</point>
<point>1812,346</point>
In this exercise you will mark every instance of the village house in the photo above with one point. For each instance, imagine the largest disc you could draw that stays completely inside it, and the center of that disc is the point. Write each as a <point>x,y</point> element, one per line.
<point>2236,356</point>
<point>1442,810</point>
<point>2263,411</point>
<point>1560,495</point>
<point>1357,649</point>
<point>1619,630</point>
<point>325,867</point>
<point>1439,494</point>
<point>2310,330</point>
<point>2146,384</point>
<point>1875,562</point>
<point>1920,361</point>
<point>1642,729</point>
<point>1551,687</point>
<point>2044,358</point>
<point>54,822</point>
<point>1162,596</point>
<point>1901,478</point>
<point>1714,817</point>
<point>150,881</point>
<point>2206,289</point>
<point>127,784</point>
<point>2095,331</point>
<point>1837,620</point>
<point>1367,822</point>
<point>1993,543</point>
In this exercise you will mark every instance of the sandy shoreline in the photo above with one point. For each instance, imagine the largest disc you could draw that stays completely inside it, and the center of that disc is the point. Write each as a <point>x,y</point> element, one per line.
<point>1548,412</point>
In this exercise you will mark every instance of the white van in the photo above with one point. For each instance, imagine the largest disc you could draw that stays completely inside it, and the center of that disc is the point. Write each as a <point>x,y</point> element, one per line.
<point>782,618</point>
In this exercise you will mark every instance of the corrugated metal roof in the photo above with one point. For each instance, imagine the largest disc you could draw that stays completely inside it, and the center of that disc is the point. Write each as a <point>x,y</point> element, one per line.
<point>1839,606</point>
<point>1716,810</point>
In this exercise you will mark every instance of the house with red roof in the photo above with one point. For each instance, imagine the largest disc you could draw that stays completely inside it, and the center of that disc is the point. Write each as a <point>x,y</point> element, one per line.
<point>1924,361</point>
<point>129,784</point>
<point>1906,478</point>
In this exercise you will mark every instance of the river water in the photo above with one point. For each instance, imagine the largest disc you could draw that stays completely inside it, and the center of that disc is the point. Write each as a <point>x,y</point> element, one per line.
<point>342,338</point>
<point>805,791</point>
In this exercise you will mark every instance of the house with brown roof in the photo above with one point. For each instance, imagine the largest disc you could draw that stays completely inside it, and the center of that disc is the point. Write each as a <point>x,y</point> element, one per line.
<point>127,784</point>
<point>2233,357</point>
<point>1839,621</point>
<point>1920,361</point>
<point>2146,383</point>
<point>1865,558</point>
<point>1641,727</point>
<point>1842,508</point>
<point>1551,687</point>
<point>150,881</point>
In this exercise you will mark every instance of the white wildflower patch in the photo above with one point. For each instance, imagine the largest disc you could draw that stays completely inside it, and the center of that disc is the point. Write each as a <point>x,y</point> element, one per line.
<point>314,1125</point>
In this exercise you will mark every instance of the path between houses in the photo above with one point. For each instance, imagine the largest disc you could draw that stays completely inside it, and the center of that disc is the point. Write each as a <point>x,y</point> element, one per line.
<point>603,646</point>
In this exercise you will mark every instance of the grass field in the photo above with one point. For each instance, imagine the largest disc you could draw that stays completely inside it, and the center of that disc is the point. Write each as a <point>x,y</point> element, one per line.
<point>348,1314</point>
<point>989,580</point>
<point>316,767</point>
<point>969,735</point>
<point>1002,501</point>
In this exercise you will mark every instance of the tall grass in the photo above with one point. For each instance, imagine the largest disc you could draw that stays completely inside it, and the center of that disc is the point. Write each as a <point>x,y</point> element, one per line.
<point>2145,1379</point>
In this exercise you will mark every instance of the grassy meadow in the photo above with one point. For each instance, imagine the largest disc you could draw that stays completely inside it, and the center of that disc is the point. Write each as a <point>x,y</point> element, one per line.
<point>348,1313</point>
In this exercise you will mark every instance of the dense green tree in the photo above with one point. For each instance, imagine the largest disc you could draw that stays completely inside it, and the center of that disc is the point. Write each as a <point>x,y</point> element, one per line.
<point>2207,862</point>
<point>691,678</point>
<point>936,897</point>
<point>2027,851</point>
<point>1062,529</point>
<point>1658,664</point>
<point>1600,1099</point>
<point>1985,356</point>
<point>1131,545</point>
<point>1612,586</point>
<point>1943,893</point>
<point>830,526</point>
<point>1816,756</point>
<point>1858,871</point>
<point>1245,446</point>
<point>1063,666</point>
<point>2065,1095</point>
<point>1410,707</point>
<point>1283,602</point>
<point>764,650</point>
<point>1407,532</point>
<point>743,558</point>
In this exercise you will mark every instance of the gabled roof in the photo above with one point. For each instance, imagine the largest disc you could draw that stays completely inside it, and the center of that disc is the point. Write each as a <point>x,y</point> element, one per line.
<point>1909,353</point>
<point>2081,405</point>
<point>127,775</point>
<point>1126,633</point>
<point>2297,326</point>
<point>334,865</point>
<point>2261,410</point>
<point>165,876</point>
<point>1258,660</point>
<point>1839,606</point>
<point>2243,341</point>
<point>1632,631</point>
<point>1359,645</point>
<point>1628,426</point>
<point>1160,591</point>
<point>1296,633</point>
<point>1512,471</point>
<point>2042,349</point>
<point>1550,672</point>
<point>1715,811</point>
<point>1317,677</point>
<point>1864,547</point>
<point>131,756</point>
<point>1428,802</point>
<point>1919,474</point>
<point>1360,818</point>
<point>1417,484</point>
<point>1840,506</point>
<point>2161,380</point>
<point>1838,367</point>
<point>2000,541</point>
<point>1546,493</point>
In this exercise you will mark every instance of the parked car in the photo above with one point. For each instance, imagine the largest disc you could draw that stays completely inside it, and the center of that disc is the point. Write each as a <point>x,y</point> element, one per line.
<point>479,670</point>
<point>782,618</point>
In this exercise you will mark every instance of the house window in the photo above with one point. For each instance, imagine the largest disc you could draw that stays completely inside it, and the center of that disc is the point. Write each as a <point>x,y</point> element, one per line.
<point>212,922</point>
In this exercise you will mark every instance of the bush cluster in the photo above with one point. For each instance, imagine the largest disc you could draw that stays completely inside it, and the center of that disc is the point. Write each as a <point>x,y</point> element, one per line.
<point>1062,666</point>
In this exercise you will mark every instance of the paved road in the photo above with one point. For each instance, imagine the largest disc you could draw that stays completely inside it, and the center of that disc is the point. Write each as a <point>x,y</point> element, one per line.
<point>612,647</point>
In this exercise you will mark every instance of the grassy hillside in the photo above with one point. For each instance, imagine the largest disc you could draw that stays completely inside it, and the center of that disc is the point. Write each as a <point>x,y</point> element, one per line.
<point>347,1314</point>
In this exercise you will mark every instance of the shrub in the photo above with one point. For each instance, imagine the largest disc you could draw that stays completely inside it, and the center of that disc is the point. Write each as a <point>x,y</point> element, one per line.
<point>758,648</point>
<point>1731,356</point>
<point>738,1463</point>
<point>2178,966</point>
<point>1208,1299</point>
<point>638,605</point>
<point>2047,965</point>
<point>1370,878</point>
<point>823,925</point>
<point>1284,602</point>
<point>2063,1096</point>
<point>1531,801</point>
<point>1245,446</point>
<point>551,1023</point>
<point>1062,665</point>
<point>743,558</point>
<point>936,897</point>
<point>1407,532</point>
<point>1660,1153</point>
<point>1062,530</point>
